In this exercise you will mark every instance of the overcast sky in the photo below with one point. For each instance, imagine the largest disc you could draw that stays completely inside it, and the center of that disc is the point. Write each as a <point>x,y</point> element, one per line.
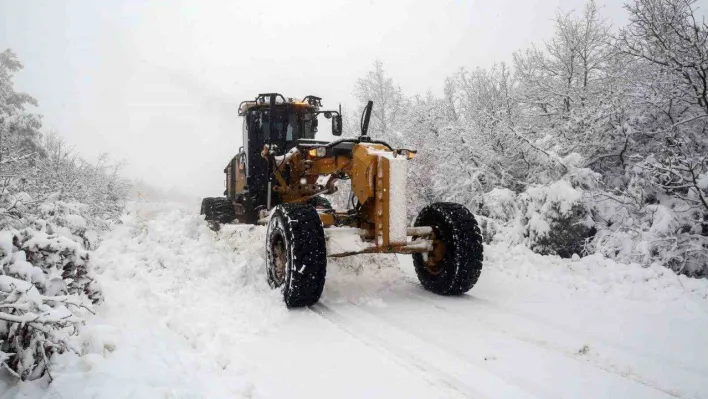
<point>157,84</point>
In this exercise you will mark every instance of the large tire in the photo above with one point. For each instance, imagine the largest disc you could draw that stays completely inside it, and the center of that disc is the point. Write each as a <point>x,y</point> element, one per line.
<point>296,254</point>
<point>218,210</point>
<point>454,267</point>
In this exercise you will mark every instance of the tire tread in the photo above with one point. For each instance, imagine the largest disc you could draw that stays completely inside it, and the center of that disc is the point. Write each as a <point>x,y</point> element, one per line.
<point>218,210</point>
<point>308,247</point>
<point>464,265</point>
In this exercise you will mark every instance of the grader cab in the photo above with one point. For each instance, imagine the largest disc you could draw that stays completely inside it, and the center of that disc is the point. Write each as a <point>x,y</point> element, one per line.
<point>281,175</point>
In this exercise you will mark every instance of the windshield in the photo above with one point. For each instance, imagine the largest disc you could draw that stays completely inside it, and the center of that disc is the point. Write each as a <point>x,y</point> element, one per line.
<point>287,126</point>
<point>302,126</point>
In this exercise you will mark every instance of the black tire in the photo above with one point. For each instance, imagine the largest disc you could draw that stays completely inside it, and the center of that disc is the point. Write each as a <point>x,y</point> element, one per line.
<point>296,254</point>
<point>458,268</point>
<point>218,210</point>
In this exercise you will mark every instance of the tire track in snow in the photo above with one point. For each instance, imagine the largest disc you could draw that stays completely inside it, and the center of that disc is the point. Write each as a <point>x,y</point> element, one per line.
<point>433,376</point>
<point>444,368</point>
<point>545,324</point>
<point>542,345</point>
<point>437,376</point>
<point>511,377</point>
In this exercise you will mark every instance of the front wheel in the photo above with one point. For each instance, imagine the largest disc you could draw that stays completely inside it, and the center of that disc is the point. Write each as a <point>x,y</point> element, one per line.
<point>296,254</point>
<point>455,263</point>
<point>218,210</point>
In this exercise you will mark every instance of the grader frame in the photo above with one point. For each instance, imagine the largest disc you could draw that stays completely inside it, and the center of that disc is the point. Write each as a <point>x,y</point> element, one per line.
<point>279,176</point>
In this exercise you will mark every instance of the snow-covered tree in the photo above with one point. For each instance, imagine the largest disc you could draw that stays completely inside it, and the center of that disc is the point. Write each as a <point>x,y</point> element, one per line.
<point>19,140</point>
<point>52,205</point>
<point>490,145</point>
<point>566,88</point>
<point>19,129</point>
<point>663,203</point>
<point>668,35</point>
<point>389,103</point>
<point>426,119</point>
<point>617,122</point>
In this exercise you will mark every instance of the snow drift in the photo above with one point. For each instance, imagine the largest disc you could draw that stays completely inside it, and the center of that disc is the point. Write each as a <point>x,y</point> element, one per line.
<point>188,312</point>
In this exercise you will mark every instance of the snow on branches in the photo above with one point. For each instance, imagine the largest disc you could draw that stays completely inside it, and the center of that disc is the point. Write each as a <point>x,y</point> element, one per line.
<point>620,116</point>
<point>53,205</point>
<point>46,289</point>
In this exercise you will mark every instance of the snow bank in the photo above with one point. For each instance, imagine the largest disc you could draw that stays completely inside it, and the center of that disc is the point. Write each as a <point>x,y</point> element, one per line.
<point>178,297</point>
<point>182,301</point>
<point>596,274</point>
<point>188,312</point>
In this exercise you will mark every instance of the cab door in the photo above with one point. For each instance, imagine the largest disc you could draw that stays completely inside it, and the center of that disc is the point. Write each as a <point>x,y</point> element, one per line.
<point>240,169</point>
<point>236,175</point>
<point>237,169</point>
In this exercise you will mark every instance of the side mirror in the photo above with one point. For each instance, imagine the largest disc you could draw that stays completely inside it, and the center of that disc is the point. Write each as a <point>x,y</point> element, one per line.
<point>336,125</point>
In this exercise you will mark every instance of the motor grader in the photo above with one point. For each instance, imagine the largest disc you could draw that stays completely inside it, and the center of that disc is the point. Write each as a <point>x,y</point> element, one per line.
<point>281,174</point>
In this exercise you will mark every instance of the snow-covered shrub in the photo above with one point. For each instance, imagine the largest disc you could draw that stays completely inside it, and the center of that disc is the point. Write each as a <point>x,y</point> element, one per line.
<point>52,204</point>
<point>48,281</point>
<point>645,225</point>
<point>71,220</point>
<point>62,259</point>
<point>46,287</point>
<point>495,211</point>
<point>33,327</point>
<point>555,219</point>
<point>13,208</point>
<point>499,204</point>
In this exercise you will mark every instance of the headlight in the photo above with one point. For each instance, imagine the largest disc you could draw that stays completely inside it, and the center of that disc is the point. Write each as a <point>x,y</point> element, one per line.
<point>317,152</point>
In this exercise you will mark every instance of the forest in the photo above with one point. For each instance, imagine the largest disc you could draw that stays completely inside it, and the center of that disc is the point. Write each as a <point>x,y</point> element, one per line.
<point>594,141</point>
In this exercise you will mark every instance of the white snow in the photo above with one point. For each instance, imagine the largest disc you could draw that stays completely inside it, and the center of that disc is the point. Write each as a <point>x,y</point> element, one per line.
<point>501,204</point>
<point>75,221</point>
<point>663,221</point>
<point>560,193</point>
<point>703,182</point>
<point>397,200</point>
<point>538,225</point>
<point>188,313</point>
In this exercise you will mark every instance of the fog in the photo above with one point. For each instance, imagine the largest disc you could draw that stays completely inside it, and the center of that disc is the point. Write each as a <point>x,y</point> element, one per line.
<point>157,84</point>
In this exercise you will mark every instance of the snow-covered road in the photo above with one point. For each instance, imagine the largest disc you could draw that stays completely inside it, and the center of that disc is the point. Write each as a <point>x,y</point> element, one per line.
<point>188,313</point>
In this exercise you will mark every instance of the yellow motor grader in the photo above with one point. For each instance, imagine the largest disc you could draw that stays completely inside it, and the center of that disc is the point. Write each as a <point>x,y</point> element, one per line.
<point>280,177</point>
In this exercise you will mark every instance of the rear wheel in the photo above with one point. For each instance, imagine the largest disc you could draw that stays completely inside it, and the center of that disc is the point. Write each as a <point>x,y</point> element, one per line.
<point>296,254</point>
<point>218,210</point>
<point>455,263</point>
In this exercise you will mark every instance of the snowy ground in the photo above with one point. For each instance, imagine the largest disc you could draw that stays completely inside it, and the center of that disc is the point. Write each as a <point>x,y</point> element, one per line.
<point>188,314</point>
